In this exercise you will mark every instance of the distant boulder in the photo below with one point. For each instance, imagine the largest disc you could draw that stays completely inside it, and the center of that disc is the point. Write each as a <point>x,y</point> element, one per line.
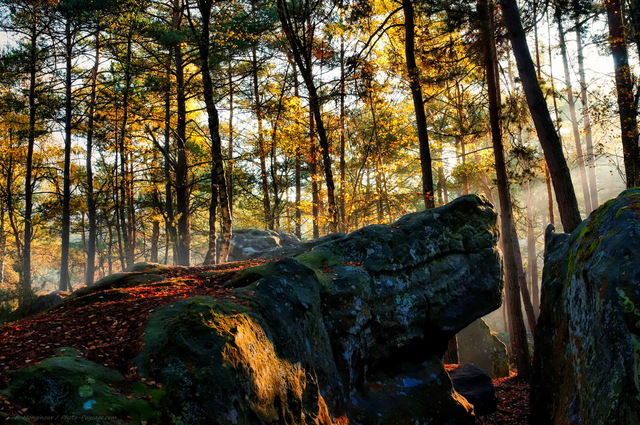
<point>587,341</point>
<point>478,346</point>
<point>38,304</point>
<point>248,244</point>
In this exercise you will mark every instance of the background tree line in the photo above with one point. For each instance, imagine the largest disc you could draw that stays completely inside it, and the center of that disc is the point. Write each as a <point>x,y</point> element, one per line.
<point>139,130</point>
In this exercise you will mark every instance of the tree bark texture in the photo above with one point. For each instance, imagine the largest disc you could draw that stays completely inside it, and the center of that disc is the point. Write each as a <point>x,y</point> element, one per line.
<point>624,86</point>
<point>418,104</point>
<point>183,248</point>
<point>91,201</point>
<point>549,139</point>
<point>573,116</point>
<point>301,49</point>
<point>65,280</point>
<point>219,193</point>
<point>519,343</point>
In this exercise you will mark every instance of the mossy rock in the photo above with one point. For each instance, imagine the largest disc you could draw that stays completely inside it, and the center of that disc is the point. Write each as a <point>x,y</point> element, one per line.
<point>587,340</point>
<point>225,363</point>
<point>76,391</point>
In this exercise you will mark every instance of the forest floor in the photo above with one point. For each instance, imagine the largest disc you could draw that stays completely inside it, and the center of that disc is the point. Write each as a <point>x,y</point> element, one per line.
<point>108,330</point>
<point>513,403</point>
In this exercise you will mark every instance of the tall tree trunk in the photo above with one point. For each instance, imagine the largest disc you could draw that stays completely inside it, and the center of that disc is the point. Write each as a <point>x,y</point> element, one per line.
<point>298,166</point>
<point>170,223</point>
<point>624,85</point>
<point>302,54</point>
<point>573,116</point>
<point>418,104</point>
<point>91,201</point>
<point>460,139</point>
<point>560,175</point>
<point>518,333</point>
<point>25,278</point>
<point>65,281</point>
<point>532,257</point>
<point>273,163</point>
<point>3,241</point>
<point>183,248</point>
<point>586,119</point>
<point>343,137</point>
<point>313,168</point>
<point>218,178</point>
<point>262,150</point>
<point>231,140</point>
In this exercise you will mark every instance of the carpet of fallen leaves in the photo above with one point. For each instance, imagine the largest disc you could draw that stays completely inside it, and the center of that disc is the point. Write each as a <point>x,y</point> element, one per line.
<point>513,403</point>
<point>109,332</point>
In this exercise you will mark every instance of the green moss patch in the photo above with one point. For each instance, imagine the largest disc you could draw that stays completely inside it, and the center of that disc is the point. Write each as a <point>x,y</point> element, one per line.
<point>76,391</point>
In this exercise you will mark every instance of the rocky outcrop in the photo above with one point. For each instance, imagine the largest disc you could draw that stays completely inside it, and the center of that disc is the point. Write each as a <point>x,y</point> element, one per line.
<point>351,331</point>
<point>478,346</point>
<point>587,342</point>
<point>322,334</point>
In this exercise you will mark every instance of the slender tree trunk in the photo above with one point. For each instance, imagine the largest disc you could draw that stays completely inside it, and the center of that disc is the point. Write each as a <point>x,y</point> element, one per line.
<point>560,175</point>
<point>463,161</point>
<point>218,178</point>
<point>65,281</point>
<point>110,246</point>
<point>442,184</point>
<point>125,205</point>
<point>573,116</point>
<point>262,150</point>
<point>91,201</point>
<point>460,139</point>
<point>155,238</point>
<point>547,175</point>
<point>518,335</point>
<point>170,220</point>
<point>25,278</point>
<point>302,54</point>
<point>343,139</point>
<point>532,257</point>
<point>273,163</point>
<point>586,119</point>
<point>624,85</point>
<point>418,104</point>
<point>183,248</point>
<point>231,140</point>
<point>298,166</point>
<point>313,168</point>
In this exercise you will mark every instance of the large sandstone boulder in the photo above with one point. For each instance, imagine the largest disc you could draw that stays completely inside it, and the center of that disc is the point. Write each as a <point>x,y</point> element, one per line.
<point>478,346</point>
<point>337,330</point>
<point>350,331</point>
<point>587,342</point>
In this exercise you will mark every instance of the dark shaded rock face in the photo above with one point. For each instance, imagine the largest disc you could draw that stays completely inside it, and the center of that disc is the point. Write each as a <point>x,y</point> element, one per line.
<point>587,343</point>
<point>351,331</point>
<point>474,384</point>
<point>478,346</point>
